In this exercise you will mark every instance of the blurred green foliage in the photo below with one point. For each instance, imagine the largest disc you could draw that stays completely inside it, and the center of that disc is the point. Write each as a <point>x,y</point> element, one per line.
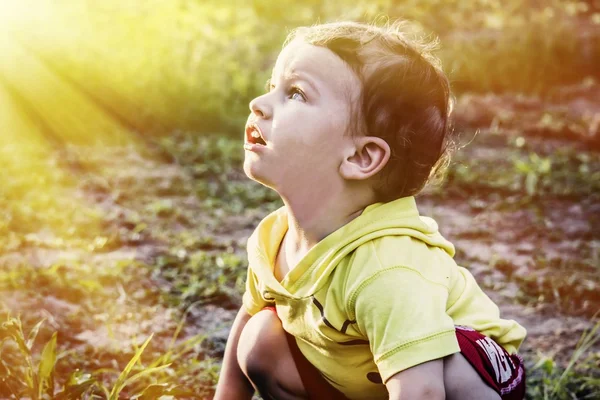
<point>195,64</point>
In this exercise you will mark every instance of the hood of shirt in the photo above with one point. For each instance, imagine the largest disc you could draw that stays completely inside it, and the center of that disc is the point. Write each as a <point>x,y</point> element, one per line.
<point>399,217</point>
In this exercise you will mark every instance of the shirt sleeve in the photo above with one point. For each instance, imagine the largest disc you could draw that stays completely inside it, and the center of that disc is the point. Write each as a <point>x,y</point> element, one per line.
<point>403,315</point>
<point>253,300</point>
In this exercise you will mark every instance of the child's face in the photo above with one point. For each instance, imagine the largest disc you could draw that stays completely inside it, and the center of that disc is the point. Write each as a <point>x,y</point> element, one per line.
<point>303,120</point>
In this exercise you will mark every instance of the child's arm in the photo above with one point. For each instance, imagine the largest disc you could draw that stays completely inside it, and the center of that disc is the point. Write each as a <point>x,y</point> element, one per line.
<point>233,384</point>
<point>423,381</point>
<point>403,315</point>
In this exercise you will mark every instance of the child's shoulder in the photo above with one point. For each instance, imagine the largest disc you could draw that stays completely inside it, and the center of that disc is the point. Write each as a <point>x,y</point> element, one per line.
<point>398,255</point>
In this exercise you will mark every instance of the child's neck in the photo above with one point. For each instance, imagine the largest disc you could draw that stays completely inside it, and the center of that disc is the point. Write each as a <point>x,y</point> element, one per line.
<point>311,219</point>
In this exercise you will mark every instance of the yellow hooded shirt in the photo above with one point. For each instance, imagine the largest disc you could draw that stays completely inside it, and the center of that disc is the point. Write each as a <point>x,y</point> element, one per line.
<point>379,295</point>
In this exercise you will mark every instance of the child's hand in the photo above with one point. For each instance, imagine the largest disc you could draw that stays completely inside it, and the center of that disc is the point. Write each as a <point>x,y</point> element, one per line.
<point>423,381</point>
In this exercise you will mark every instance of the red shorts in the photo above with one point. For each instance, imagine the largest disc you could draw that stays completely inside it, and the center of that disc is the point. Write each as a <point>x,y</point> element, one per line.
<point>503,372</point>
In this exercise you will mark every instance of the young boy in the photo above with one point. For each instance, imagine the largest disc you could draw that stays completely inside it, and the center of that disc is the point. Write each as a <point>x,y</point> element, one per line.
<point>350,293</point>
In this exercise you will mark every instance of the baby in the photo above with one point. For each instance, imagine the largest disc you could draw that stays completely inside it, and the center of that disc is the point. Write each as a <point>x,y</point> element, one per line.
<point>350,293</point>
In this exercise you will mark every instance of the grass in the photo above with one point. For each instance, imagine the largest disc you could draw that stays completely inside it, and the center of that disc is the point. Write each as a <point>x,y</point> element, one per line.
<point>103,299</point>
<point>119,249</point>
<point>190,265</point>
<point>579,380</point>
<point>566,171</point>
<point>219,181</point>
<point>23,377</point>
<point>569,285</point>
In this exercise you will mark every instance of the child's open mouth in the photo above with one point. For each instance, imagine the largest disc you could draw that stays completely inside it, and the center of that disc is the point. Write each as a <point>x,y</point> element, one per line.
<point>254,136</point>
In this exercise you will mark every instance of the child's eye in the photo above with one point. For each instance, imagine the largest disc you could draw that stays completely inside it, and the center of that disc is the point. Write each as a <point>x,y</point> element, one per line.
<point>296,94</point>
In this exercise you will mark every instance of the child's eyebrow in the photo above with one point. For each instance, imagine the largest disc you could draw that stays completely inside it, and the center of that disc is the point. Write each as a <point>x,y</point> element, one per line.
<point>296,76</point>
<point>291,77</point>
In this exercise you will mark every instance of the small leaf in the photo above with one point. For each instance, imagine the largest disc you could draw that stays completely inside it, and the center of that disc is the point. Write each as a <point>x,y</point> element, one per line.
<point>545,166</point>
<point>78,377</point>
<point>77,384</point>
<point>33,334</point>
<point>531,181</point>
<point>546,364</point>
<point>522,166</point>
<point>46,367</point>
<point>13,329</point>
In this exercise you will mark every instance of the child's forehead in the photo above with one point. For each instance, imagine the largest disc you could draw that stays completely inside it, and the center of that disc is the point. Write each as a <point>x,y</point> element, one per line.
<point>302,60</point>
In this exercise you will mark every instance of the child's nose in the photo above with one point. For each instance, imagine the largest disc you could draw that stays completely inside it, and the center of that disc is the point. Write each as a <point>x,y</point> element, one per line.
<point>261,108</point>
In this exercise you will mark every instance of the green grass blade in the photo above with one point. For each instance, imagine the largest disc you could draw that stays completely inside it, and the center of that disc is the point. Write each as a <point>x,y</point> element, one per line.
<point>33,334</point>
<point>14,329</point>
<point>587,340</point>
<point>120,383</point>
<point>103,389</point>
<point>46,367</point>
<point>144,373</point>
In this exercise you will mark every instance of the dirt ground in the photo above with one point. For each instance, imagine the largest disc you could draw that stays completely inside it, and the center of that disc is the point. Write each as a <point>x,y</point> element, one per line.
<point>534,250</point>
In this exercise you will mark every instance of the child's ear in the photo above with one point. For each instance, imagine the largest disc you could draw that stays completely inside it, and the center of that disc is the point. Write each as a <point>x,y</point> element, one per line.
<point>368,156</point>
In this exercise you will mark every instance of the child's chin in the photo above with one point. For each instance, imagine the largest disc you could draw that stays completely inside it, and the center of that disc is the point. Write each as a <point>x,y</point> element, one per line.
<point>256,176</point>
<point>252,171</point>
